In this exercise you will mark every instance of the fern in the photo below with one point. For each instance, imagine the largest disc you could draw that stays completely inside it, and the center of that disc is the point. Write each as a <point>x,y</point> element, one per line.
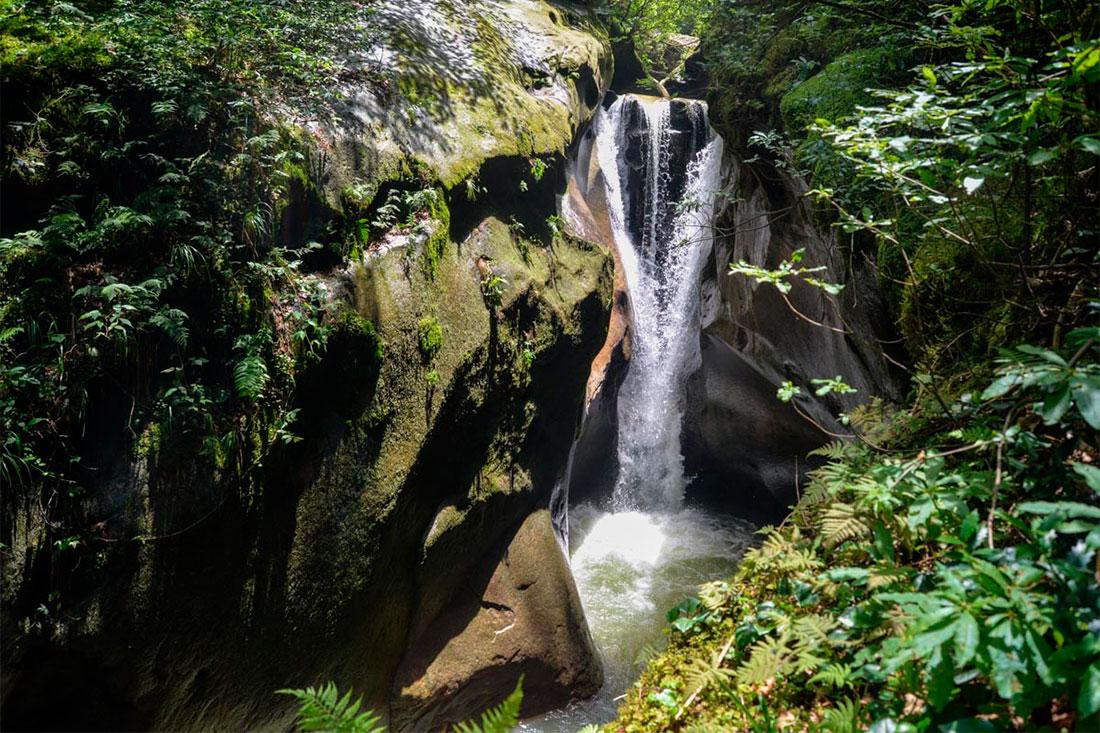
<point>500,719</point>
<point>834,675</point>
<point>714,595</point>
<point>646,654</point>
<point>840,523</point>
<point>844,718</point>
<point>174,324</point>
<point>769,659</point>
<point>703,672</point>
<point>323,709</point>
<point>835,451</point>
<point>250,376</point>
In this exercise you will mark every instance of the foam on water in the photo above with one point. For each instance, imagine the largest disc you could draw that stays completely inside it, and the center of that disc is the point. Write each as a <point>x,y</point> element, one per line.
<point>630,568</point>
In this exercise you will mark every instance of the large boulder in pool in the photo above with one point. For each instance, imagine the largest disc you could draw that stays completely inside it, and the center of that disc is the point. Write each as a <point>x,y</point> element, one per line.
<point>524,618</point>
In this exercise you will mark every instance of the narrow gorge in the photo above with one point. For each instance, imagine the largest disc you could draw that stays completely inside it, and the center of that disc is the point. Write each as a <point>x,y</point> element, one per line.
<point>630,358</point>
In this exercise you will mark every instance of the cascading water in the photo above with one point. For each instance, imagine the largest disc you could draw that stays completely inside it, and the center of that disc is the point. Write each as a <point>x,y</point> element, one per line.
<point>662,187</point>
<point>662,171</point>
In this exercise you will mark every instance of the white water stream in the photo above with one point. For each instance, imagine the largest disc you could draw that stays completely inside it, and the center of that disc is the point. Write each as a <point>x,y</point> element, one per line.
<point>645,552</point>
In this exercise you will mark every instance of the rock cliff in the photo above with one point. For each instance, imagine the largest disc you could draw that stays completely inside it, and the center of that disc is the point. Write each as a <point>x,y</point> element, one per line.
<point>413,504</point>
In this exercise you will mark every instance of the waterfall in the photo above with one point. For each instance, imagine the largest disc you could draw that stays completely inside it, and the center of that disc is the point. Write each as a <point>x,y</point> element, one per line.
<point>662,167</point>
<point>661,170</point>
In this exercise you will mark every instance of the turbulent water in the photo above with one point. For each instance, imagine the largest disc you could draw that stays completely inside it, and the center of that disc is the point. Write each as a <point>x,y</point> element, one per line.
<point>630,568</point>
<point>645,552</point>
<point>661,219</point>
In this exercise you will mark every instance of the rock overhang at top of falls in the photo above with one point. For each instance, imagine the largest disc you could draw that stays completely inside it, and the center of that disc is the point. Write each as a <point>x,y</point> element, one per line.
<point>465,82</point>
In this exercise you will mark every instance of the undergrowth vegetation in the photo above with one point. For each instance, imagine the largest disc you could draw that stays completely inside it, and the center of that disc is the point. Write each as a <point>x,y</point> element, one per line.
<point>948,581</point>
<point>144,270</point>
<point>940,571</point>
<point>324,709</point>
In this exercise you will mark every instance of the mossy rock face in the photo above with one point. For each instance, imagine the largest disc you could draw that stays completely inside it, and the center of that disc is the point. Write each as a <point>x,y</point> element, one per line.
<point>334,558</point>
<point>412,501</point>
<point>467,82</point>
<point>839,88</point>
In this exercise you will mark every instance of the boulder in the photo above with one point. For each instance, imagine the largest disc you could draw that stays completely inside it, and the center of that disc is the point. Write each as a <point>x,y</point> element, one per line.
<point>524,618</point>
<point>739,439</point>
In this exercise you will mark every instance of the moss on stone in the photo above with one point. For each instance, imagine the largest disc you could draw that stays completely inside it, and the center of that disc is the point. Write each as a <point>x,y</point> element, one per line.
<point>430,335</point>
<point>439,235</point>
<point>839,88</point>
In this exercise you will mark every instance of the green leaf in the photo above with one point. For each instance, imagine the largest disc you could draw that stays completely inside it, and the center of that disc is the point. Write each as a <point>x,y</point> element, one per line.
<point>1091,474</point>
<point>1056,405</point>
<point>1089,143</point>
<point>1042,156</point>
<point>1001,386</point>
<point>941,683</point>
<point>1086,395</point>
<point>788,391</point>
<point>972,184</point>
<point>1088,699</point>
<point>250,376</point>
<point>966,639</point>
<point>501,719</point>
<point>323,709</point>
<point>1070,509</point>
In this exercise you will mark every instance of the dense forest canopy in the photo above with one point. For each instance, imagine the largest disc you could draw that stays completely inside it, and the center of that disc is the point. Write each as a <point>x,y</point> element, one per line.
<point>941,570</point>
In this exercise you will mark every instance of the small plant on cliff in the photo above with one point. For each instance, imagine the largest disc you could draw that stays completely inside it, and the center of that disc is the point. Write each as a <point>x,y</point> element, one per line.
<point>429,338</point>
<point>492,288</point>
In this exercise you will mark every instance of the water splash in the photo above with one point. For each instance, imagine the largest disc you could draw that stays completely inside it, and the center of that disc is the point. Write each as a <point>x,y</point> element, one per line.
<point>662,190</point>
<point>662,168</point>
<point>630,568</point>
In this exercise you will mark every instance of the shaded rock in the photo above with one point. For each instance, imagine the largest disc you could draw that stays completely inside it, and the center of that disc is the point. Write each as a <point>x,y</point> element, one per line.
<point>739,439</point>
<point>320,569</point>
<point>525,618</point>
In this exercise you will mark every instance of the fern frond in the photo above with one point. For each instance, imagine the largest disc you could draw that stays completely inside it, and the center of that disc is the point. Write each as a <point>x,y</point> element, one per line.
<point>834,675</point>
<point>844,718</point>
<point>645,655</point>
<point>768,659</point>
<point>840,523</point>
<point>835,451</point>
<point>885,576</point>
<point>500,719</point>
<point>250,376</point>
<point>714,595</point>
<point>813,628</point>
<point>323,709</point>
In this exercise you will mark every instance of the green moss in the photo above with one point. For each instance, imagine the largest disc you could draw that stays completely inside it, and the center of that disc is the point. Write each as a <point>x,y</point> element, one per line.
<point>840,87</point>
<point>354,333</point>
<point>430,336</point>
<point>148,444</point>
<point>439,236</point>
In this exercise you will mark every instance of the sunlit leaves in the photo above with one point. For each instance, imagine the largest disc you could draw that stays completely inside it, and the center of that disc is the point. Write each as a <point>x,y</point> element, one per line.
<point>782,278</point>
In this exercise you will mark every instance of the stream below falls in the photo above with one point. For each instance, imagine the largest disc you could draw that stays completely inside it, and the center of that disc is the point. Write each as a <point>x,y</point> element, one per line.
<point>630,568</point>
<point>642,551</point>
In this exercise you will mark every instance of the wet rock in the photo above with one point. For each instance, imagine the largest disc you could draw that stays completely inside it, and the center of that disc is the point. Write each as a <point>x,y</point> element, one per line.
<point>525,618</point>
<point>740,441</point>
